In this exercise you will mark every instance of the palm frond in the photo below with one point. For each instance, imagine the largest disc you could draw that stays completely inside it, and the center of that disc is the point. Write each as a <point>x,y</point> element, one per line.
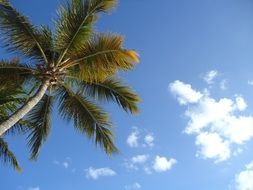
<point>74,25</point>
<point>19,34</point>
<point>11,97</point>
<point>45,37</point>
<point>102,56</point>
<point>7,156</point>
<point>14,74</point>
<point>40,124</point>
<point>87,117</point>
<point>111,89</point>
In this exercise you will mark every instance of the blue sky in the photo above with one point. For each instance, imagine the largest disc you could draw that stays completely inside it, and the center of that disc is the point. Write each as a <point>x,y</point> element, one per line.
<point>195,128</point>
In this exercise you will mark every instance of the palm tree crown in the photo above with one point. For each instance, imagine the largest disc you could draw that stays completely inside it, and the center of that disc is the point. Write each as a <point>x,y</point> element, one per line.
<point>73,67</point>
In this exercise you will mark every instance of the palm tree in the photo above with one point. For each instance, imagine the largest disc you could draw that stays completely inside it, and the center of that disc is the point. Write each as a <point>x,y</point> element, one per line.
<point>70,65</point>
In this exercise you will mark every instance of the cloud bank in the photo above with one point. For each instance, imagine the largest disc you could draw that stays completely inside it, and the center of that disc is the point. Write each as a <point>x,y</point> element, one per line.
<point>219,126</point>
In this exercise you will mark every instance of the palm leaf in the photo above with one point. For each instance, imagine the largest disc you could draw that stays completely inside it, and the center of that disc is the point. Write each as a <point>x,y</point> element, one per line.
<point>102,56</point>
<point>14,74</point>
<point>74,24</point>
<point>10,99</point>
<point>45,37</point>
<point>19,34</point>
<point>40,124</point>
<point>111,89</point>
<point>7,156</point>
<point>88,118</point>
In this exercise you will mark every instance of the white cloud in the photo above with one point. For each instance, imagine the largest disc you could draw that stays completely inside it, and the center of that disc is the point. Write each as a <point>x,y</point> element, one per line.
<point>210,76</point>
<point>139,159</point>
<point>159,164</point>
<point>132,139</point>
<point>149,140</point>
<point>34,188</point>
<point>136,161</point>
<point>240,102</point>
<point>244,180</point>
<point>99,172</point>
<point>162,164</point>
<point>140,138</point>
<point>216,121</point>
<point>212,146</point>
<point>133,186</point>
<point>184,92</point>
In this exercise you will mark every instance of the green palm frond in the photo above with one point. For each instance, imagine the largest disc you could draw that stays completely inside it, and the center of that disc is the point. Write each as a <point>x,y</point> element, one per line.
<point>19,34</point>
<point>40,124</point>
<point>13,73</point>
<point>87,117</point>
<point>112,89</point>
<point>11,97</point>
<point>102,56</point>
<point>7,156</point>
<point>45,37</point>
<point>74,25</point>
<point>9,105</point>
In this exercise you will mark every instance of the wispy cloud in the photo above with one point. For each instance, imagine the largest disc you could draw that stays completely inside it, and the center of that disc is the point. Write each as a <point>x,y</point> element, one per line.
<point>139,159</point>
<point>132,139</point>
<point>157,164</point>
<point>149,140</point>
<point>244,180</point>
<point>250,82</point>
<point>133,186</point>
<point>140,138</point>
<point>210,76</point>
<point>136,161</point>
<point>34,188</point>
<point>66,163</point>
<point>223,84</point>
<point>94,173</point>
<point>217,123</point>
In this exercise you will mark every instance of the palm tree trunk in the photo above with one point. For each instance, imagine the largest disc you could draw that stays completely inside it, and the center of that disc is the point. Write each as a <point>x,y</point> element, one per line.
<point>21,112</point>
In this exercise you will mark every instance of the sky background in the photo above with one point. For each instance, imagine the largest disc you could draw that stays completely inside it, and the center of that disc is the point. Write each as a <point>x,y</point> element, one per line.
<point>195,128</point>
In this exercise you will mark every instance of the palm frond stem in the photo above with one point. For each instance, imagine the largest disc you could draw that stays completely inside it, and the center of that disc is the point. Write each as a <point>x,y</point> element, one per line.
<point>76,62</point>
